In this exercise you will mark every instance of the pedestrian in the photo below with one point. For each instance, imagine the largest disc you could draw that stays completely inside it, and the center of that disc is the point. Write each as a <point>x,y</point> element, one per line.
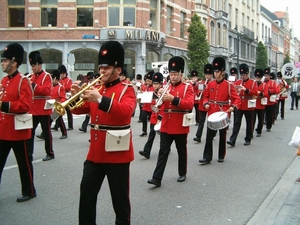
<point>42,84</point>
<point>111,147</point>
<point>283,85</point>
<point>247,89</point>
<point>156,115</point>
<point>273,90</point>
<point>208,73</point>
<point>262,96</point>
<point>16,100</point>
<point>178,100</point>
<point>295,93</point>
<point>219,95</point>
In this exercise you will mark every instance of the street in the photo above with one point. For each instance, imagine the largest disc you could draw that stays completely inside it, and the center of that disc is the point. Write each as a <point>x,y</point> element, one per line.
<point>214,194</point>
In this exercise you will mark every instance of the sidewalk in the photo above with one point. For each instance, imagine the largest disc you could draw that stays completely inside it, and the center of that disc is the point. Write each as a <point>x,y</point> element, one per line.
<point>282,205</point>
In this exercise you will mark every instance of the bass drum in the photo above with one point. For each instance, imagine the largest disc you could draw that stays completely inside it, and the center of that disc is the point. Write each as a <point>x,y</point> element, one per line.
<point>218,120</point>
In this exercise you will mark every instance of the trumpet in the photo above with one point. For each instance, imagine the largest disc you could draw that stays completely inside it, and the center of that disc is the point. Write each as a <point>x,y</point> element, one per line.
<point>159,100</point>
<point>73,102</point>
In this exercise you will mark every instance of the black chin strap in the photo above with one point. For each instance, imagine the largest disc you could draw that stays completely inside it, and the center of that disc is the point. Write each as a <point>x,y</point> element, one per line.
<point>10,64</point>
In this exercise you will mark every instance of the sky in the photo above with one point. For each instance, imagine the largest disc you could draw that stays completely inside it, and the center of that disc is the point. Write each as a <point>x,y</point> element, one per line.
<point>293,9</point>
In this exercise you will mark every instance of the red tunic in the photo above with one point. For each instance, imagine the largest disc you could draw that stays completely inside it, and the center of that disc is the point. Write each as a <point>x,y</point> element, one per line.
<point>16,99</point>
<point>173,111</point>
<point>115,109</point>
<point>250,93</point>
<point>218,94</point>
<point>283,94</point>
<point>67,83</point>
<point>42,85</point>
<point>58,93</point>
<point>262,87</point>
<point>156,115</point>
<point>196,91</point>
<point>273,89</point>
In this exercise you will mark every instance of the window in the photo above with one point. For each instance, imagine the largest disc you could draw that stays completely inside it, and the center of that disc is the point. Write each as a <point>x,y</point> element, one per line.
<point>85,13</point>
<point>182,21</point>
<point>219,34</point>
<point>16,13</point>
<point>153,13</point>
<point>169,20</point>
<point>49,13</point>
<point>224,44</point>
<point>121,12</point>
<point>212,33</point>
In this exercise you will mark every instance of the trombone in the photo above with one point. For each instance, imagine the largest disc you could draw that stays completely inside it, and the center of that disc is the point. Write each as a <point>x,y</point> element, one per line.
<point>73,102</point>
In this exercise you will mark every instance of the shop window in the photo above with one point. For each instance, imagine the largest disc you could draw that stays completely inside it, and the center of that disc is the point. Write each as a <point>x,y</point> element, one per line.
<point>121,13</point>
<point>153,14</point>
<point>48,13</point>
<point>16,13</point>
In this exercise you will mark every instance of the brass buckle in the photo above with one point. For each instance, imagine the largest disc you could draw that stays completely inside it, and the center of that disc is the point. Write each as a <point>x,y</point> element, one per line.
<point>96,127</point>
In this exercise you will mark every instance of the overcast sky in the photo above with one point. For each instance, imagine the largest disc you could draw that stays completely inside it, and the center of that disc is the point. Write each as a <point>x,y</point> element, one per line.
<point>293,9</point>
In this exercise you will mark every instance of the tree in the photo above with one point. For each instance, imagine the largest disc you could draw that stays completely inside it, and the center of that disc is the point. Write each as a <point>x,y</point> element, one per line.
<point>261,56</point>
<point>286,59</point>
<point>198,46</point>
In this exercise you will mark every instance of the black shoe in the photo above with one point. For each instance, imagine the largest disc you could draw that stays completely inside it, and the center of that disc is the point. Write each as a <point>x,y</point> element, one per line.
<point>181,178</point>
<point>139,121</point>
<point>197,124</point>
<point>197,139</point>
<point>291,109</point>
<point>63,137</point>
<point>204,161</point>
<point>247,143</point>
<point>268,130</point>
<point>41,137</point>
<point>25,198</point>
<point>155,182</point>
<point>70,128</point>
<point>54,128</point>
<point>230,143</point>
<point>220,160</point>
<point>143,134</point>
<point>48,157</point>
<point>258,135</point>
<point>83,130</point>
<point>145,154</point>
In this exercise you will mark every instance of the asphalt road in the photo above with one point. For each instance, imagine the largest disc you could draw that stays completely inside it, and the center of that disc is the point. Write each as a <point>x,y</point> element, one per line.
<point>214,194</point>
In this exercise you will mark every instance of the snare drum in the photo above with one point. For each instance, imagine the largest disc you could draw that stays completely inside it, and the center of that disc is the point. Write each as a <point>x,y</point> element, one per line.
<point>218,120</point>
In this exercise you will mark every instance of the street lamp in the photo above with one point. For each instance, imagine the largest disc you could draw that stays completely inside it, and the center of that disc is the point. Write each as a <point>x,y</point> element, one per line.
<point>276,63</point>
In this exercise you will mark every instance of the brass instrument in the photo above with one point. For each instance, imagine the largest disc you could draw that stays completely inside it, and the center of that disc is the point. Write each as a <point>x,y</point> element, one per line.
<point>73,102</point>
<point>159,100</point>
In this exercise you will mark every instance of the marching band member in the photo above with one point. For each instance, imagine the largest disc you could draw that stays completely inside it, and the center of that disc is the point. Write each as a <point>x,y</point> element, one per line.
<point>66,82</point>
<point>283,85</point>
<point>139,85</point>
<point>146,109</point>
<point>110,108</point>
<point>194,82</point>
<point>177,102</point>
<point>262,91</point>
<point>156,117</point>
<point>15,98</point>
<point>247,89</point>
<point>216,98</point>
<point>234,72</point>
<point>208,73</point>
<point>42,84</point>
<point>273,89</point>
<point>58,93</point>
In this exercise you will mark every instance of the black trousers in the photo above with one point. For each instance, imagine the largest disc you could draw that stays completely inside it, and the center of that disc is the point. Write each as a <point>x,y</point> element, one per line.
<point>166,141</point>
<point>144,117</point>
<point>295,99</point>
<point>196,112</point>
<point>45,124</point>
<point>61,125</point>
<point>151,137</point>
<point>238,115</point>
<point>270,114</point>
<point>260,114</point>
<point>208,148</point>
<point>92,179</point>
<point>20,149</point>
<point>70,119</point>
<point>202,117</point>
<point>280,108</point>
<point>85,123</point>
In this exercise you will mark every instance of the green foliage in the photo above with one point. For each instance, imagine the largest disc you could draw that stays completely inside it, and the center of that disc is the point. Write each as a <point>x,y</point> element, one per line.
<point>198,46</point>
<point>261,56</point>
<point>286,59</point>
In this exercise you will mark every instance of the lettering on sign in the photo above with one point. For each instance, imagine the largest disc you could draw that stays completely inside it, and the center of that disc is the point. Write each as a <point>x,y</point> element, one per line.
<point>111,34</point>
<point>84,66</point>
<point>51,66</point>
<point>142,35</point>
